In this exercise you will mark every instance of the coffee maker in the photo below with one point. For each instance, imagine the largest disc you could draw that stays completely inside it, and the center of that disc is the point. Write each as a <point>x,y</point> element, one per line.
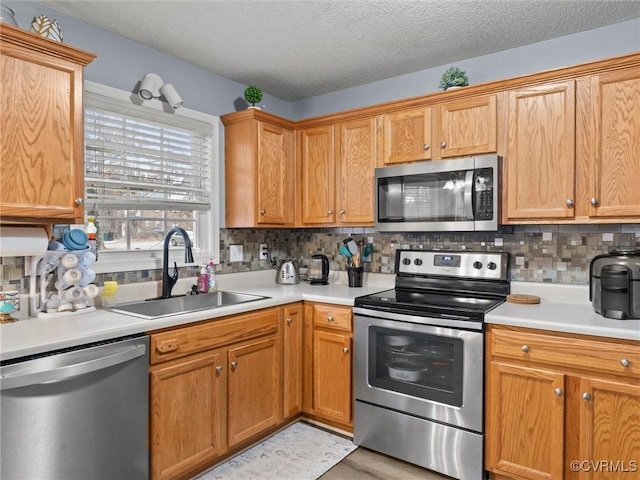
<point>319,270</point>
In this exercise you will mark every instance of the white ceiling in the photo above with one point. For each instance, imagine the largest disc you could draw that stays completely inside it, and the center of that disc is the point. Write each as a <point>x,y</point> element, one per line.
<point>303,48</point>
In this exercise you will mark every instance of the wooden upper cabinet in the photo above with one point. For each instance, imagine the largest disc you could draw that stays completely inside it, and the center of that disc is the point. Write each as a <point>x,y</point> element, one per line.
<point>317,163</point>
<point>467,127</point>
<point>540,160</point>
<point>609,147</point>
<point>259,170</point>
<point>355,171</point>
<point>407,136</point>
<point>41,146</point>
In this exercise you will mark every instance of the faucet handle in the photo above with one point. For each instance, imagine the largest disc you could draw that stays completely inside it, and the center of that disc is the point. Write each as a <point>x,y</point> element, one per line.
<point>174,276</point>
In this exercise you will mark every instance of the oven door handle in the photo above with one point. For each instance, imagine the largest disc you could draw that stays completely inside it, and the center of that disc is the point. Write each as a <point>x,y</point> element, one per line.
<point>468,195</point>
<point>437,322</point>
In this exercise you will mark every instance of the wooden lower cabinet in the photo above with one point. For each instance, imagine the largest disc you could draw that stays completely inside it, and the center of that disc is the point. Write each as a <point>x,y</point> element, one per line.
<point>254,401</point>
<point>556,399</point>
<point>188,400</point>
<point>328,392</point>
<point>292,360</point>
<point>215,387</point>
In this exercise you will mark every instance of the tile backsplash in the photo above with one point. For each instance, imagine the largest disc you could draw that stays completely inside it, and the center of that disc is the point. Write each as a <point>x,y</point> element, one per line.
<point>549,253</point>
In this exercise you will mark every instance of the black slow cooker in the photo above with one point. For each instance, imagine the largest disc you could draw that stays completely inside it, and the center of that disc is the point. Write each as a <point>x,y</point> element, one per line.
<point>614,283</point>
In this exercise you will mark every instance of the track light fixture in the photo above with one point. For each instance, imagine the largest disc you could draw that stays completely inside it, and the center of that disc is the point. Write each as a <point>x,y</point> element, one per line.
<point>152,86</point>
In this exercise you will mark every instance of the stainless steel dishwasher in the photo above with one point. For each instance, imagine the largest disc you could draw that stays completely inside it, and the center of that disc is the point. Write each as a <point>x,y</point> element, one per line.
<point>79,413</point>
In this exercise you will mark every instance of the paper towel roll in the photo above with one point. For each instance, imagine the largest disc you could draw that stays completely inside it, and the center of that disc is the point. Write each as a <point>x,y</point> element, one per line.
<point>22,241</point>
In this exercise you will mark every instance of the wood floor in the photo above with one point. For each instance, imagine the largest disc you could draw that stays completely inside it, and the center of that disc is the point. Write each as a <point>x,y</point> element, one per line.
<point>364,464</point>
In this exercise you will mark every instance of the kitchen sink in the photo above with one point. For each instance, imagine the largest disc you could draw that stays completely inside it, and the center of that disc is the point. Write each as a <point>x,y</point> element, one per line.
<point>165,307</point>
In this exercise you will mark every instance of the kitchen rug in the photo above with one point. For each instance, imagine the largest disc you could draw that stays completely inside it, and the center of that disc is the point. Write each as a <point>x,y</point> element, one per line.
<point>299,452</point>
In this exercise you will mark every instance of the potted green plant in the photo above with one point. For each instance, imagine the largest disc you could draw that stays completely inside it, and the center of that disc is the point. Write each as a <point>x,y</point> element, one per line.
<point>253,95</point>
<point>453,77</point>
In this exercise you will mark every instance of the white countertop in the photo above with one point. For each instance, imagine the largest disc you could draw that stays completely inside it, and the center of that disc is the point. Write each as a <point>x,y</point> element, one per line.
<point>562,308</point>
<point>32,335</point>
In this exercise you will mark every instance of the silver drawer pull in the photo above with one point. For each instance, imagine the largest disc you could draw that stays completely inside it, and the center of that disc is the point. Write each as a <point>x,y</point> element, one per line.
<point>586,396</point>
<point>329,318</point>
<point>234,365</point>
<point>345,350</point>
<point>288,321</point>
<point>624,362</point>
<point>219,369</point>
<point>525,348</point>
<point>558,392</point>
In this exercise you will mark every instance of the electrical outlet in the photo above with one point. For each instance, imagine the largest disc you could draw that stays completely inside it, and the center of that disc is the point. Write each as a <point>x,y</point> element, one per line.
<point>235,253</point>
<point>262,253</point>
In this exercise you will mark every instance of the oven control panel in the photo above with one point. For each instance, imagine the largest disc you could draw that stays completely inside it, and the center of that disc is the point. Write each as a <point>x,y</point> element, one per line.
<point>481,265</point>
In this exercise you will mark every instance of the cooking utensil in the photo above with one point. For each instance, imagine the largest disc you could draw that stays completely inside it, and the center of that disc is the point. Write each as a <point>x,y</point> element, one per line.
<point>351,245</point>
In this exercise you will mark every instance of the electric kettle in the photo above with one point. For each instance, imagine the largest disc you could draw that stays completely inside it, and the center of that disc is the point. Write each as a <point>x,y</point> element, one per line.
<point>288,273</point>
<point>319,270</point>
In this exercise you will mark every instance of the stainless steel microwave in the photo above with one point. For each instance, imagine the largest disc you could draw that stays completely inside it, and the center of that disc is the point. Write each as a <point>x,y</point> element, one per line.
<point>460,195</point>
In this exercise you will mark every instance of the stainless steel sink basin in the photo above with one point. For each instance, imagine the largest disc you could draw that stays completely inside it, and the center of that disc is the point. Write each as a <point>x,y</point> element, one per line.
<point>166,307</point>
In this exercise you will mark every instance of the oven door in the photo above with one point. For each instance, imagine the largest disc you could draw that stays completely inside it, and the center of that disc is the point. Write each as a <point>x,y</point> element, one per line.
<point>432,372</point>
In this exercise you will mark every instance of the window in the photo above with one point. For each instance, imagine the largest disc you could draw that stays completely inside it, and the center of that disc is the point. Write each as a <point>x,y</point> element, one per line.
<point>146,171</point>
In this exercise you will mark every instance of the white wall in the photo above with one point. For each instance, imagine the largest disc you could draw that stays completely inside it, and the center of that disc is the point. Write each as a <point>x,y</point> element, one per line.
<point>572,49</point>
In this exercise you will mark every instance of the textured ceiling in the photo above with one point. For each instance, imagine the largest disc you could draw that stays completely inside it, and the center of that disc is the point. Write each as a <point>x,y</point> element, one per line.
<point>300,49</point>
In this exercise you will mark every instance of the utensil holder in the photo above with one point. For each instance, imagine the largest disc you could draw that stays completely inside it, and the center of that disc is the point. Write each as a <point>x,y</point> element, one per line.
<point>355,276</point>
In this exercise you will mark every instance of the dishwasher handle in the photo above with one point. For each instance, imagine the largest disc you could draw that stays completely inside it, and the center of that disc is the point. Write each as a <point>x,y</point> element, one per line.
<point>69,371</point>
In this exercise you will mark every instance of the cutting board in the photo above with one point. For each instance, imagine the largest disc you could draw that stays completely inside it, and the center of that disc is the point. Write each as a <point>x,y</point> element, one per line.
<point>523,299</point>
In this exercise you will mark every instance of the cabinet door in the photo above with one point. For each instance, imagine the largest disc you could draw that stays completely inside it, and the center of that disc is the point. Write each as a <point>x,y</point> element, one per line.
<point>615,166</point>
<point>254,402</point>
<point>332,375</point>
<point>275,174</point>
<point>540,159</point>
<point>609,429</point>
<point>41,143</point>
<point>318,175</point>
<point>292,361</point>
<point>355,171</point>
<point>525,422</point>
<point>407,136</point>
<point>187,415</point>
<point>468,127</point>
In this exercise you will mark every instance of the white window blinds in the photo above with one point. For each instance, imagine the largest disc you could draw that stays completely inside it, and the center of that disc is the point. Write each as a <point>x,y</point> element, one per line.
<point>138,158</point>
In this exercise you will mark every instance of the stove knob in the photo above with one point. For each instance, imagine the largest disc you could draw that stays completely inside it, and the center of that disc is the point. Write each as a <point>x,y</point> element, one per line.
<point>477,265</point>
<point>406,261</point>
<point>491,266</point>
<point>417,261</point>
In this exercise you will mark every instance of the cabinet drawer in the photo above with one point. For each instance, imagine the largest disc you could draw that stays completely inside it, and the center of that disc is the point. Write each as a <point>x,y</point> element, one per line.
<point>330,316</point>
<point>606,356</point>
<point>185,341</point>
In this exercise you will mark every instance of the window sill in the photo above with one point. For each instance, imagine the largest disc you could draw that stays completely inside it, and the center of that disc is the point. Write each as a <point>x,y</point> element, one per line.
<point>112,262</point>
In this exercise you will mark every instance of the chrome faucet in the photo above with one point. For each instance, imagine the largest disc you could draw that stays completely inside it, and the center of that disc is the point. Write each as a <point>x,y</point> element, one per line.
<point>169,281</point>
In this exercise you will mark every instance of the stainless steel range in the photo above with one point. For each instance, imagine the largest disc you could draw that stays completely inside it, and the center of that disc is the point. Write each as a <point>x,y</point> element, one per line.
<point>418,361</point>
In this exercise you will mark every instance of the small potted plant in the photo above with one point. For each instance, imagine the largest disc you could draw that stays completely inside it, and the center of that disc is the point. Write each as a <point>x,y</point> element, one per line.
<point>453,77</point>
<point>253,95</point>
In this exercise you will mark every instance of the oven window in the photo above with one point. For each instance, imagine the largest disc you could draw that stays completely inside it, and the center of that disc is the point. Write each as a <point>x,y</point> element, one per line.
<point>417,364</point>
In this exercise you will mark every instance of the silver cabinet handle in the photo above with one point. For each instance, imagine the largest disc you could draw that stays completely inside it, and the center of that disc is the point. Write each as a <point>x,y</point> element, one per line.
<point>624,362</point>
<point>586,396</point>
<point>569,202</point>
<point>593,201</point>
<point>342,212</point>
<point>345,349</point>
<point>425,146</point>
<point>219,369</point>
<point>79,201</point>
<point>558,392</point>
<point>329,318</point>
<point>329,212</point>
<point>288,321</point>
<point>262,212</point>
<point>525,348</point>
<point>234,365</point>
<point>443,144</point>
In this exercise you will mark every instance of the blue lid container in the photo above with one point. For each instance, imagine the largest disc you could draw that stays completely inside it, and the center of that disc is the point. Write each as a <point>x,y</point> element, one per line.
<point>75,239</point>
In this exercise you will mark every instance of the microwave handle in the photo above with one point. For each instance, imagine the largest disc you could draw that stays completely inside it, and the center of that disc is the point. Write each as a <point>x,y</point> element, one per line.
<point>468,195</point>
